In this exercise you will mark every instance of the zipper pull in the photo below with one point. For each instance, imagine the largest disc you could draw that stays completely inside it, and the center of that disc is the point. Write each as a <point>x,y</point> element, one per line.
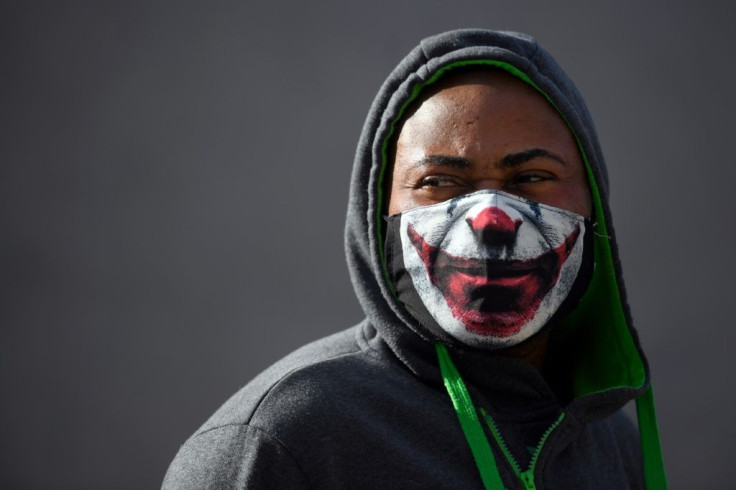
<point>528,479</point>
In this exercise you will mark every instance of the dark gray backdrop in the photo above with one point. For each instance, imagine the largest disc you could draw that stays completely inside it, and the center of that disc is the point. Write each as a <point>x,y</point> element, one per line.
<point>173,182</point>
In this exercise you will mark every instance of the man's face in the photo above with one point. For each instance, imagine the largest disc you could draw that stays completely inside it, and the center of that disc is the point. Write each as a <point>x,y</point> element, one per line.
<point>487,130</point>
<point>488,265</point>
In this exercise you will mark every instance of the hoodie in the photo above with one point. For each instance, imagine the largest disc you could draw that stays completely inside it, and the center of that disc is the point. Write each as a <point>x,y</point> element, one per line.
<point>391,404</point>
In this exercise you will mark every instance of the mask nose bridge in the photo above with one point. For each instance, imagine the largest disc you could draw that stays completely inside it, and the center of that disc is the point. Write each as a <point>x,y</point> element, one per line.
<point>492,225</point>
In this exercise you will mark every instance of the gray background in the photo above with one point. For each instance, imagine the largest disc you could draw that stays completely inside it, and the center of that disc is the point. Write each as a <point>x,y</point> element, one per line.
<point>173,182</point>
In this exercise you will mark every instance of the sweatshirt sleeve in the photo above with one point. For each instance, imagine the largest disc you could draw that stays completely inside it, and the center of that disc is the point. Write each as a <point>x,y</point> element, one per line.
<point>234,457</point>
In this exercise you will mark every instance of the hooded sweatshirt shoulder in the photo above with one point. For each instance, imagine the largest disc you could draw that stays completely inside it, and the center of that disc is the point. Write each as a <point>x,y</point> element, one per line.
<point>239,445</point>
<point>368,407</point>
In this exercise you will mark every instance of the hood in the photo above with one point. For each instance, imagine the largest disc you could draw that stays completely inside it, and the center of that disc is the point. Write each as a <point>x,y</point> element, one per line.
<point>608,352</point>
<point>598,337</point>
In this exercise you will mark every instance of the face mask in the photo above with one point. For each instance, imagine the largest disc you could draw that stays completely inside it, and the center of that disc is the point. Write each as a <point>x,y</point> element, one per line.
<point>489,268</point>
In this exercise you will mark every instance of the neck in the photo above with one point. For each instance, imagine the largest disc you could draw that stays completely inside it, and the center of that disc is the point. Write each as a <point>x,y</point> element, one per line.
<point>532,350</point>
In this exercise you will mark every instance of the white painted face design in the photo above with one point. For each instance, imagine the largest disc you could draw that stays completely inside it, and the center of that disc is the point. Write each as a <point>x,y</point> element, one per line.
<point>490,267</point>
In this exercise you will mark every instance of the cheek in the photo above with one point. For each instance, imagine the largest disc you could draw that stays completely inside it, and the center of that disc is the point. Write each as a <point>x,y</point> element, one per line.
<point>578,201</point>
<point>584,202</point>
<point>392,191</point>
<point>399,193</point>
<point>575,194</point>
<point>395,205</point>
<point>399,198</point>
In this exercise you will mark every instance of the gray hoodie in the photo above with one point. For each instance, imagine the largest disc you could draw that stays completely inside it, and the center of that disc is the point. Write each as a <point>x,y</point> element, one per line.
<point>368,408</point>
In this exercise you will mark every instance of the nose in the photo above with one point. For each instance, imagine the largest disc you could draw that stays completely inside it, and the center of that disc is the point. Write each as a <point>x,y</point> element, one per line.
<point>493,227</point>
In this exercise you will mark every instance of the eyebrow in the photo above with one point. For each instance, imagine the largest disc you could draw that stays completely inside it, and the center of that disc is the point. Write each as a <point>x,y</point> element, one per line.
<point>509,161</point>
<point>443,161</point>
<point>516,159</point>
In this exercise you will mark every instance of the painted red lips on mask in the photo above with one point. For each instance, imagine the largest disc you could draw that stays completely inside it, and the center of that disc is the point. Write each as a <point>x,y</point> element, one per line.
<point>492,296</point>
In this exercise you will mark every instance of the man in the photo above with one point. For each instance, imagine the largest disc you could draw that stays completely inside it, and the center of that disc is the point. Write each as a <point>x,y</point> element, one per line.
<point>497,349</point>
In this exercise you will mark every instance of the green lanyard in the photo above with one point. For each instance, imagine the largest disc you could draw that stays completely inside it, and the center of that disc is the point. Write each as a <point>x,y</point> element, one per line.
<point>654,475</point>
<point>469,421</point>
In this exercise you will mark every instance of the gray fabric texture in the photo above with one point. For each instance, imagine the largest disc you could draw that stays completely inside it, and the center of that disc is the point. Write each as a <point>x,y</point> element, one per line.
<point>366,408</point>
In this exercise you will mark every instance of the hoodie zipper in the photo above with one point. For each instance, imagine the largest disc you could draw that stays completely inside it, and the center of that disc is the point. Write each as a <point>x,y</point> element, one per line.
<point>475,435</point>
<point>526,477</point>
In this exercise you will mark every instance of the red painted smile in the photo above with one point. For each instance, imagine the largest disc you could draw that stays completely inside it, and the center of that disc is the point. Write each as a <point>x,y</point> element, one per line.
<point>493,297</point>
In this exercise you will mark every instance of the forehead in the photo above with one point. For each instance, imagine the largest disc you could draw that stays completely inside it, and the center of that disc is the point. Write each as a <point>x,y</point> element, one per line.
<point>461,102</point>
<point>472,75</point>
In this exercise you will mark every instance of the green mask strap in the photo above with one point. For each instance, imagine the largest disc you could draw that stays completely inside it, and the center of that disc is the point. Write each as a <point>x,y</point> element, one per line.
<point>469,422</point>
<point>649,435</point>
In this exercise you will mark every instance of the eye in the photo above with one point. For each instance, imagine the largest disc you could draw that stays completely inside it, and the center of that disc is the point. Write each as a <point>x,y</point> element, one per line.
<point>531,177</point>
<point>435,181</point>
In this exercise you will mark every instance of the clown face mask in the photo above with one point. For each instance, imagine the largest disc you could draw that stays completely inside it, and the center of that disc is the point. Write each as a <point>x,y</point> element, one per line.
<point>489,268</point>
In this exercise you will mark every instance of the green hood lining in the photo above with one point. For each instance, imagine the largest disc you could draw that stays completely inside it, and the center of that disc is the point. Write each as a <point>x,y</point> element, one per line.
<point>611,359</point>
